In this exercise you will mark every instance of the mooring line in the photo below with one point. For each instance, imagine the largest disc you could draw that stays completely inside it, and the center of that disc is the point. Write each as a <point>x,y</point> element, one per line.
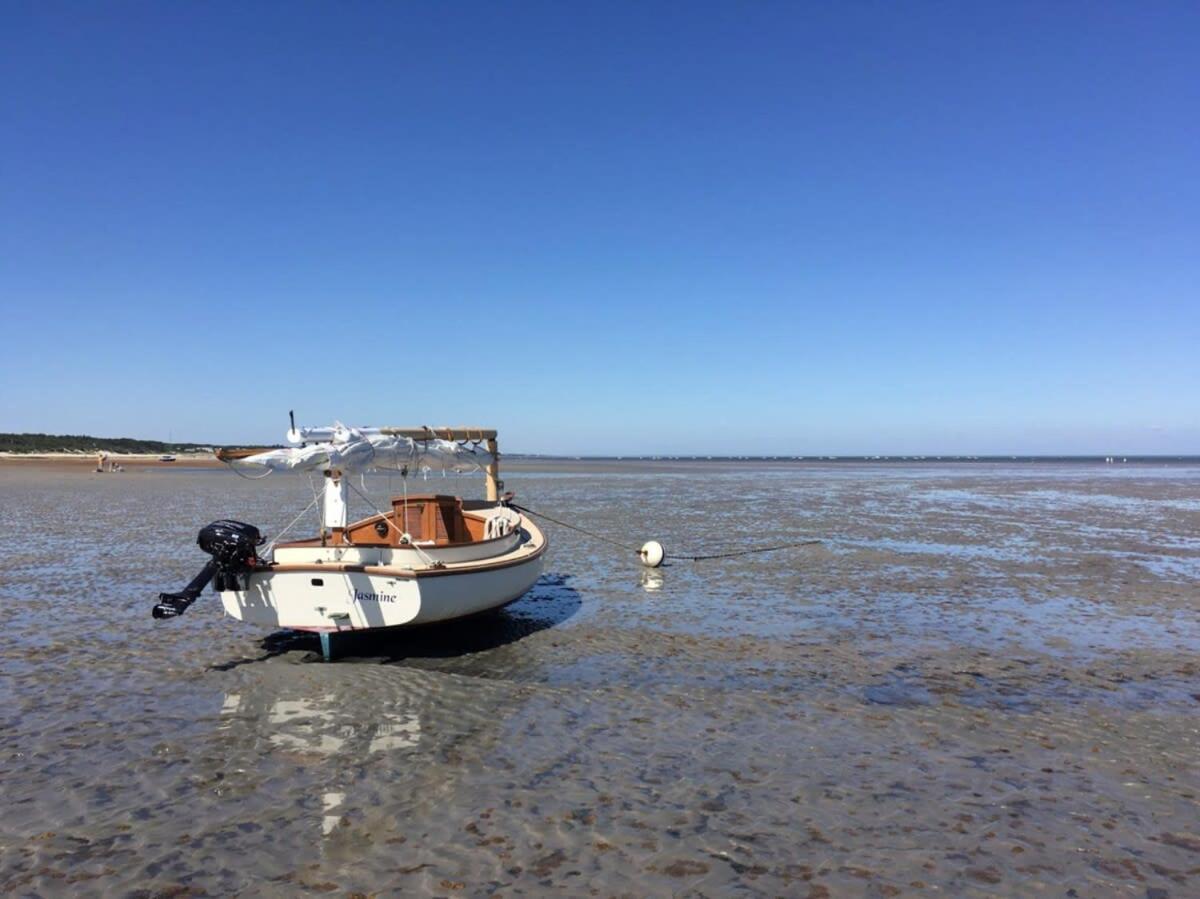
<point>746,552</point>
<point>678,556</point>
<point>572,527</point>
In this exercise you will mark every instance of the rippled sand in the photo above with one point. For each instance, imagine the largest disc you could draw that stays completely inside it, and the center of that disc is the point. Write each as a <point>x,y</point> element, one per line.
<point>985,682</point>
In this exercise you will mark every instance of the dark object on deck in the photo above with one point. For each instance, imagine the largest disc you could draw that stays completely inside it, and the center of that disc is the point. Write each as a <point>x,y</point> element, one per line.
<point>233,547</point>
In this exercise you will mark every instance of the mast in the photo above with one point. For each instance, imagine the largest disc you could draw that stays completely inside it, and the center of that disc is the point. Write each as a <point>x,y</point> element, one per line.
<point>494,484</point>
<point>334,503</point>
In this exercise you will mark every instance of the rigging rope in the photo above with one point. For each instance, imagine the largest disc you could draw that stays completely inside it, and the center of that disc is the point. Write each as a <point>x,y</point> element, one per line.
<point>271,546</point>
<point>680,556</point>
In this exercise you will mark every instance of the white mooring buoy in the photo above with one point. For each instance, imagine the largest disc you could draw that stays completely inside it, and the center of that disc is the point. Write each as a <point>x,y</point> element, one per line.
<point>652,554</point>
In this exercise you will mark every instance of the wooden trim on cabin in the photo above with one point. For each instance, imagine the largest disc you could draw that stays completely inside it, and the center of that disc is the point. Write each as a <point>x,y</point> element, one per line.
<point>435,517</point>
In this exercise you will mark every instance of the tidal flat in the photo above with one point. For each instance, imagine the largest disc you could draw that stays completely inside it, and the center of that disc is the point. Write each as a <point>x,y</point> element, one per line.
<point>985,681</point>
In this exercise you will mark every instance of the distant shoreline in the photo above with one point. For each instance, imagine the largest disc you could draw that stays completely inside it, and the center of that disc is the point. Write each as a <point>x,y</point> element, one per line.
<point>87,461</point>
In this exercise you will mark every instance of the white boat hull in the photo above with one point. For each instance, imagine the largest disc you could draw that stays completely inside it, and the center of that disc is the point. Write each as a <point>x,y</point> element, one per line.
<point>355,600</point>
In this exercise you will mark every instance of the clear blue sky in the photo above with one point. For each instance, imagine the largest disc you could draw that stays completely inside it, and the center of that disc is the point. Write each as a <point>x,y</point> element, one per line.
<point>606,227</point>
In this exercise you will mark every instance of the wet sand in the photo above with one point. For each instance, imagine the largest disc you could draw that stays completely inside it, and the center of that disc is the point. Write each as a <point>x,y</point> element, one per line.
<point>986,682</point>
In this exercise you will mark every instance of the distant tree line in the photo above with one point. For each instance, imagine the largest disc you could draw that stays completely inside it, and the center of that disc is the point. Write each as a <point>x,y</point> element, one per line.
<point>80,443</point>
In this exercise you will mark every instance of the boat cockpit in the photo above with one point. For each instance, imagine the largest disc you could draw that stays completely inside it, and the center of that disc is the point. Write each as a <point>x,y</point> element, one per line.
<point>425,520</point>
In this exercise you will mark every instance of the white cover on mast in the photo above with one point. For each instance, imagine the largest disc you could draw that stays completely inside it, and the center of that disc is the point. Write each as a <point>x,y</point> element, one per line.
<point>358,449</point>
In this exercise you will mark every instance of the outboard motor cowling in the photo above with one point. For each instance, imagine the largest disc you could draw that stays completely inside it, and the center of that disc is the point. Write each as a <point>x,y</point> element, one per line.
<point>233,546</point>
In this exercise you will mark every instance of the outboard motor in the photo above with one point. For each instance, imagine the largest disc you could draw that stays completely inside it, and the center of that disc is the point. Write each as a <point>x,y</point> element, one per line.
<point>233,546</point>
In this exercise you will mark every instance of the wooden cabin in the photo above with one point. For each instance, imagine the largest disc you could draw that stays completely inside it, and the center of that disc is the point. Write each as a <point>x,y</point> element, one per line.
<point>431,519</point>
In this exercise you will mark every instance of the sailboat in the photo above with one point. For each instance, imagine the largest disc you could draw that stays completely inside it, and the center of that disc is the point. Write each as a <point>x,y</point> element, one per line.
<point>426,558</point>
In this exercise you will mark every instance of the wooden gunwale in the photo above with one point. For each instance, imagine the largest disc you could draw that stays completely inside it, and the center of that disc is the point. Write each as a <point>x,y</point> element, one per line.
<point>409,573</point>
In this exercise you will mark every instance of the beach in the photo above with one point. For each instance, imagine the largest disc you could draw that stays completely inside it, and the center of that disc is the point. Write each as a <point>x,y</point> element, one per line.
<point>86,462</point>
<point>985,681</point>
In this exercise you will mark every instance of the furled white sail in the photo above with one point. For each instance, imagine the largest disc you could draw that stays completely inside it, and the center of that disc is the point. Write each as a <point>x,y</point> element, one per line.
<point>358,449</point>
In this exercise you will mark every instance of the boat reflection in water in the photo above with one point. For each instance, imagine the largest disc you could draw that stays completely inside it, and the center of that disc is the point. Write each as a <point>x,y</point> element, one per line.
<point>373,745</point>
<point>323,725</point>
<point>303,725</point>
